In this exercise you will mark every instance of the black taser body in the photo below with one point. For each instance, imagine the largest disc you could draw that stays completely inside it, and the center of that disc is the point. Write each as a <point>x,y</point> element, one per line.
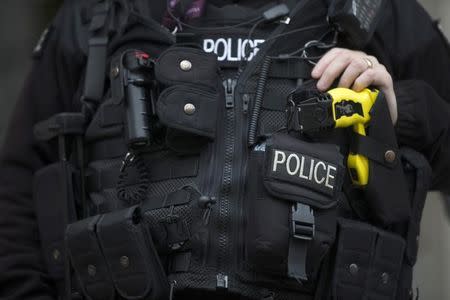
<point>138,81</point>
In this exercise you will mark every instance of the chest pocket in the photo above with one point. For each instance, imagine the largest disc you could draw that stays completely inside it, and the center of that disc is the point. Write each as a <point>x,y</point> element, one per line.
<point>292,191</point>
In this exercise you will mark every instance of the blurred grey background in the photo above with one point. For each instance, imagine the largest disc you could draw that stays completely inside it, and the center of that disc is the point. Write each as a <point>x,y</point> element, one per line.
<point>21,23</point>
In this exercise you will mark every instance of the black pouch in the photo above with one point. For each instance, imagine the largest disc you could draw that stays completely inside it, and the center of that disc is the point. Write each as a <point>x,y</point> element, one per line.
<point>88,261</point>
<point>418,173</point>
<point>114,254</point>
<point>190,109</point>
<point>387,191</point>
<point>368,262</point>
<point>131,257</point>
<point>53,195</point>
<point>187,65</point>
<point>288,210</point>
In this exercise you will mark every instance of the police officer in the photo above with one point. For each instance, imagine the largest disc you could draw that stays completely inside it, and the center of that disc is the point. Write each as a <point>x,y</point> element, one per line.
<point>407,58</point>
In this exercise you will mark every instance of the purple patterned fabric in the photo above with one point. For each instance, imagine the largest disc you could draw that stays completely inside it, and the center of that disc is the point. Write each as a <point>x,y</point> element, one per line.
<point>195,10</point>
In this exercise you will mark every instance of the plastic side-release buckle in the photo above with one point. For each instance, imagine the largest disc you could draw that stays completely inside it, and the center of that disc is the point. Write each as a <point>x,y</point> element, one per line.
<point>303,222</point>
<point>303,228</point>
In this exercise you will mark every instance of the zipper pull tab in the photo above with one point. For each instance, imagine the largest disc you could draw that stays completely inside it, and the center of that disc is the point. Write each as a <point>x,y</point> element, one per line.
<point>229,85</point>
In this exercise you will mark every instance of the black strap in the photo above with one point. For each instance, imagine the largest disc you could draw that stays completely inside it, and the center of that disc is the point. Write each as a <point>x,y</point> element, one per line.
<point>302,234</point>
<point>98,42</point>
<point>60,125</point>
<point>374,150</point>
<point>290,68</point>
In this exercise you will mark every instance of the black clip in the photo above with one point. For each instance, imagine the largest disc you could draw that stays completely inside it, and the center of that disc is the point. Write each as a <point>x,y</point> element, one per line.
<point>303,223</point>
<point>310,111</point>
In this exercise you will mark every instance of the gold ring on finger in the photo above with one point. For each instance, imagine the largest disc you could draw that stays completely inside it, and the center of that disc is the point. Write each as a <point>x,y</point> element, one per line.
<point>368,62</point>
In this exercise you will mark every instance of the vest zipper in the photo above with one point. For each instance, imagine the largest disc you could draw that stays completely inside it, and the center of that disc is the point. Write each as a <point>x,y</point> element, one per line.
<point>224,204</point>
<point>242,149</point>
<point>230,217</point>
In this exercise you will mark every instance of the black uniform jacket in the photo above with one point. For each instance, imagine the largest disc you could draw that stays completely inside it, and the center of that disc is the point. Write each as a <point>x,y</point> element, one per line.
<point>407,42</point>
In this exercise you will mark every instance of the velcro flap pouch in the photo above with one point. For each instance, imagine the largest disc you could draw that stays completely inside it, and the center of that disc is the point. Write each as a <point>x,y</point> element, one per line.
<point>88,261</point>
<point>184,65</point>
<point>368,262</point>
<point>298,171</point>
<point>131,256</point>
<point>189,109</point>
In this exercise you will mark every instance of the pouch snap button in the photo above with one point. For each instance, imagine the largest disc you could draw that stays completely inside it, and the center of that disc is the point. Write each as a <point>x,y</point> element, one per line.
<point>56,254</point>
<point>115,72</point>
<point>385,278</point>
<point>354,269</point>
<point>125,262</point>
<point>390,156</point>
<point>185,65</point>
<point>189,109</point>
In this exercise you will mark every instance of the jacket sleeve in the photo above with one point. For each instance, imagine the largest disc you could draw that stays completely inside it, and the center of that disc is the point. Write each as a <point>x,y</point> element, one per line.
<point>419,56</point>
<point>48,86</point>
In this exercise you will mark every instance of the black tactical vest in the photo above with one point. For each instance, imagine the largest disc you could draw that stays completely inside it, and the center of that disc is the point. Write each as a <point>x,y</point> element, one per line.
<point>198,189</point>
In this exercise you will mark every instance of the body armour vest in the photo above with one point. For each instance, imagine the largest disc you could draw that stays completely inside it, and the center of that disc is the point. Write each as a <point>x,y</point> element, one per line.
<point>186,181</point>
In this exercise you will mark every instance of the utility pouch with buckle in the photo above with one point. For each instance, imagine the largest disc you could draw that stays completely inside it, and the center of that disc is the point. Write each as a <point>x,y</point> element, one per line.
<point>368,262</point>
<point>292,192</point>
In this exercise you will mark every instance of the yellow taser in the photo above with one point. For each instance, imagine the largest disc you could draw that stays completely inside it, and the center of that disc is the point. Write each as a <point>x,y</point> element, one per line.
<point>352,108</point>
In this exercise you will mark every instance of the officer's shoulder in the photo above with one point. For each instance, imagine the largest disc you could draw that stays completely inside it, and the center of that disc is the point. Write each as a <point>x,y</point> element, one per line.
<point>68,30</point>
<point>74,19</point>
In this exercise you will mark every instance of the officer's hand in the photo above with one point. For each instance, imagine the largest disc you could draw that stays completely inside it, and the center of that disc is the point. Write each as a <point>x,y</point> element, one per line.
<point>357,71</point>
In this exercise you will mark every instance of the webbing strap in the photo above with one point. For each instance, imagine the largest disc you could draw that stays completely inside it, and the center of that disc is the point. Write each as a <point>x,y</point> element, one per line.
<point>98,42</point>
<point>374,150</point>
<point>302,233</point>
<point>290,68</point>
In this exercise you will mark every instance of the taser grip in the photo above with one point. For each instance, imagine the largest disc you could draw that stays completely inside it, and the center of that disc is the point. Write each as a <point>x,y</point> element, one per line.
<point>357,115</point>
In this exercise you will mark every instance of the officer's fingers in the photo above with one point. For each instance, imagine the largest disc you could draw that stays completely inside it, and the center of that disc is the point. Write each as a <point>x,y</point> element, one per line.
<point>334,71</point>
<point>381,79</point>
<point>353,71</point>
<point>325,61</point>
<point>377,77</point>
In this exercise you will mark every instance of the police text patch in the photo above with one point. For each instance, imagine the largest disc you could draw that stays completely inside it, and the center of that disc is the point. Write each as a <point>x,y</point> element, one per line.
<point>232,49</point>
<point>310,172</point>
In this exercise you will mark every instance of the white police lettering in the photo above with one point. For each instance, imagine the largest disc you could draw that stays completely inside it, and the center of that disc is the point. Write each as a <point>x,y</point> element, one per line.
<point>330,176</point>
<point>304,168</point>
<point>277,159</point>
<point>232,50</point>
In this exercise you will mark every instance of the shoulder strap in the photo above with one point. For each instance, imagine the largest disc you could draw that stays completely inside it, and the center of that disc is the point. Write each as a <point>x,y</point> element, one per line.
<point>96,64</point>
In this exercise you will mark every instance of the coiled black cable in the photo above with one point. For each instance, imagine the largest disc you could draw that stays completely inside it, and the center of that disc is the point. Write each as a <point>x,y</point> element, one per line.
<point>133,182</point>
<point>259,97</point>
